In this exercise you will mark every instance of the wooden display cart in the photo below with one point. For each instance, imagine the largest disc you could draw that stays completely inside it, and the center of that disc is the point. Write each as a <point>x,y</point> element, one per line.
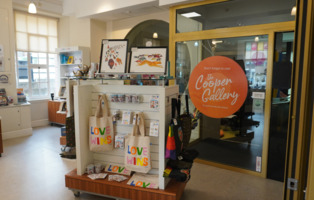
<point>54,116</point>
<point>85,100</point>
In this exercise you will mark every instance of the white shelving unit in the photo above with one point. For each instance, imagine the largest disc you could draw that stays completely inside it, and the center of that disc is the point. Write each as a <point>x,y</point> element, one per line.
<point>81,56</point>
<point>85,100</point>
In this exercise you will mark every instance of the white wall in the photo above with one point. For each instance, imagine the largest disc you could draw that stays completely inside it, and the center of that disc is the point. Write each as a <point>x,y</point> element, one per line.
<point>98,32</point>
<point>74,32</point>
<point>7,41</point>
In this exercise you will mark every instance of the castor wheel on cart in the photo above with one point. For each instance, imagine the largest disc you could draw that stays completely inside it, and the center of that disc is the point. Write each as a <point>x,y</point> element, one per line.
<point>76,193</point>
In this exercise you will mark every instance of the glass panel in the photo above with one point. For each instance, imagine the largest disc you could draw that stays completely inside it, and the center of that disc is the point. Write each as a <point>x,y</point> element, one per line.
<point>236,140</point>
<point>31,24</point>
<point>35,89</point>
<point>281,92</point>
<point>20,22</point>
<point>52,28</point>
<point>43,89</point>
<point>42,57</point>
<point>52,72</point>
<point>34,58</point>
<point>233,14</point>
<point>22,71</point>
<point>42,26</point>
<point>39,81</point>
<point>21,41</point>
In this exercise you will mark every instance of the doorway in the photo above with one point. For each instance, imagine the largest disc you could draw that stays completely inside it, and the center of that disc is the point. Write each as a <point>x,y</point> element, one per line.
<point>240,142</point>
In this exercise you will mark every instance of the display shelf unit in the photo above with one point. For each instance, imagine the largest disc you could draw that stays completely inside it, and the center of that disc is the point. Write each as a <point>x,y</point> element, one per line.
<point>85,100</point>
<point>80,55</point>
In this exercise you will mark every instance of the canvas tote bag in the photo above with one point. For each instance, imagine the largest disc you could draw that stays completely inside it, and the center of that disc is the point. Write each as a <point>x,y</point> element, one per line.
<point>137,148</point>
<point>101,133</point>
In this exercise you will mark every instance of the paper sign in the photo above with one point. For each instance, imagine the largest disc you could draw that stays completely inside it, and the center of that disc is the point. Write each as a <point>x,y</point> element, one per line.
<point>119,141</point>
<point>154,129</point>
<point>154,102</point>
<point>258,163</point>
<point>258,95</point>
<point>218,86</point>
<point>126,118</point>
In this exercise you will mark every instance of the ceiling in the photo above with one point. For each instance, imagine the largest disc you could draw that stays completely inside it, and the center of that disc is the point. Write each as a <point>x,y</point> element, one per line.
<point>50,6</point>
<point>55,7</point>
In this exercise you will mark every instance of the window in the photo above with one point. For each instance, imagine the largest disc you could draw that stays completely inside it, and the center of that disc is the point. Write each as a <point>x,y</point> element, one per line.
<point>36,41</point>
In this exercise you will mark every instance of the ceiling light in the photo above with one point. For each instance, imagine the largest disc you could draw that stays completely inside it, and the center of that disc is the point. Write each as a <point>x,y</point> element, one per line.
<point>155,35</point>
<point>256,39</point>
<point>32,8</point>
<point>191,14</point>
<point>293,10</point>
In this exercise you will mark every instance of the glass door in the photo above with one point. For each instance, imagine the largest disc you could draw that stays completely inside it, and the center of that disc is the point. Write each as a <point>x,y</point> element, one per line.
<point>236,140</point>
<point>280,105</point>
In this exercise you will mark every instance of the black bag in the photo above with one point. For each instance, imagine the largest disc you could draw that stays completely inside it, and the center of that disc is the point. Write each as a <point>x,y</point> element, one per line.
<point>70,132</point>
<point>177,125</point>
<point>186,124</point>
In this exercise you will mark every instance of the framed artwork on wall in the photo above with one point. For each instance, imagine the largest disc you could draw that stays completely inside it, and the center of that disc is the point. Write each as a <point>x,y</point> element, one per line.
<point>113,56</point>
<point>148,60</point>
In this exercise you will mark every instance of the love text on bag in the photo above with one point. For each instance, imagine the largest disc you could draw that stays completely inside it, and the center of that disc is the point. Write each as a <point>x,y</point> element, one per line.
<point>98,135</point>
<point>137,156</point>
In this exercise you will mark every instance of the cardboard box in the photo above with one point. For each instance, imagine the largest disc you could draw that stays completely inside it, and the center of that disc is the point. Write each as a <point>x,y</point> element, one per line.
<point>63,140</point>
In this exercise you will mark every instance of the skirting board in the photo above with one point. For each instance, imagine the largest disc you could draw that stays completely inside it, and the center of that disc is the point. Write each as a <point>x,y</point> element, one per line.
<point>39,123</point>
<point>19,133</point>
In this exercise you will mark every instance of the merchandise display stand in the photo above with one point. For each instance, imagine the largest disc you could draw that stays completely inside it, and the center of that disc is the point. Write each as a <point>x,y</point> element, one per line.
<point>85,100</point>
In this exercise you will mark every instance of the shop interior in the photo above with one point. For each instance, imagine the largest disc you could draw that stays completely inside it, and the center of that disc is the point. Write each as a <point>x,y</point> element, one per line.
<point>240,145</point>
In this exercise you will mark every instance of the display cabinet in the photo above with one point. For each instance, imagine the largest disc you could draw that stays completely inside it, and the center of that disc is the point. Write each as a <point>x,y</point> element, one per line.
<point>16,120</point>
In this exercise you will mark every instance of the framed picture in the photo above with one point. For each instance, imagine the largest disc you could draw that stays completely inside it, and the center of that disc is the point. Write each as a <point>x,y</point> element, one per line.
<point>62,91</point>
<point>70,60</point>
<point>113,56</point>
<point>151,60</point>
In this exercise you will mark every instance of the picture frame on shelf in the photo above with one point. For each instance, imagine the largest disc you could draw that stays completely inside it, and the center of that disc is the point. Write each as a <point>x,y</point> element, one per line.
<point>113,56</point>
<point>62,91</point>
<point>148,60</point>
<point>70,60</point>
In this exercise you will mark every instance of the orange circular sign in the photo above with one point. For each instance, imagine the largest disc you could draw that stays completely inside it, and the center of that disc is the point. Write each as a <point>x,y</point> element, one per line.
<point>218,86</point>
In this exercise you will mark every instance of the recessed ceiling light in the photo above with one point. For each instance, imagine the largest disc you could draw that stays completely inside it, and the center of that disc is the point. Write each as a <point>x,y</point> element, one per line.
<point>191,14</point>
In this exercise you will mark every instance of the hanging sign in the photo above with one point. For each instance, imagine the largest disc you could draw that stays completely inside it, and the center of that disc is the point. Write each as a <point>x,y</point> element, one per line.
<point>218,86</point>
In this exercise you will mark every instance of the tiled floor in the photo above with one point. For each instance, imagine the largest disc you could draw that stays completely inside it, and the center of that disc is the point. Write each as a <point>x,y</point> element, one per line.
<point>31,169</point>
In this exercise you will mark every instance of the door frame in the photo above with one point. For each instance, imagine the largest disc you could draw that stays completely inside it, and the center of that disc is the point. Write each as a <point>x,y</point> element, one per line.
<point>263,29</point>
<point>300,161</point>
